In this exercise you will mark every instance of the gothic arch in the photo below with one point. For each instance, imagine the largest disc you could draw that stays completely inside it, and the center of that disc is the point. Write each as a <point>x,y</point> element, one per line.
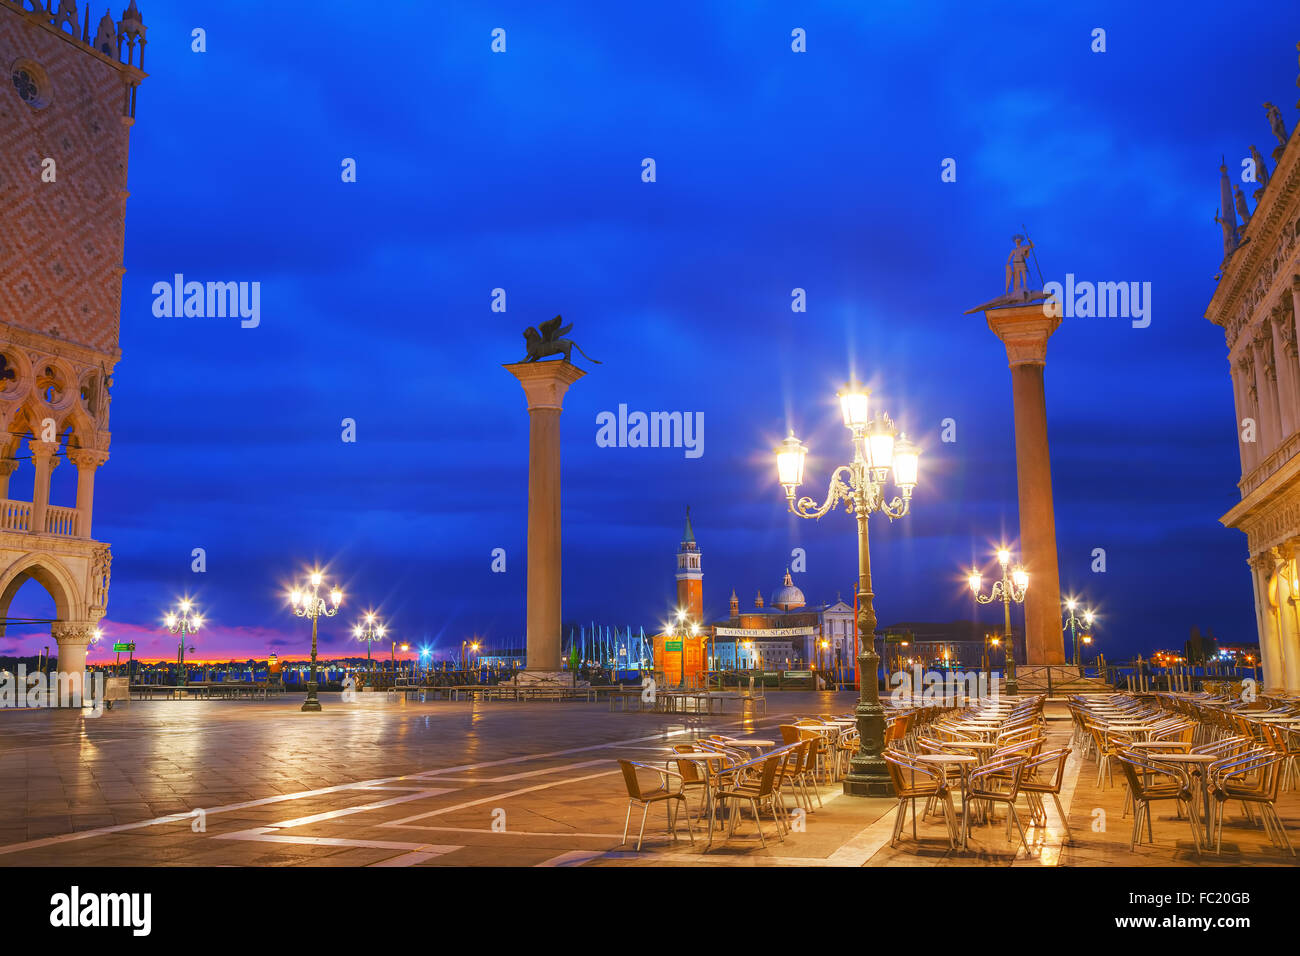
<point>52,575</point>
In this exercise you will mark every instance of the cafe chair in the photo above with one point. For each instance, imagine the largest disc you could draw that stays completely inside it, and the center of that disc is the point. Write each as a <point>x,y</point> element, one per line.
<point>1150,783</point>
<point>915,780</point>
<point>663,793</point>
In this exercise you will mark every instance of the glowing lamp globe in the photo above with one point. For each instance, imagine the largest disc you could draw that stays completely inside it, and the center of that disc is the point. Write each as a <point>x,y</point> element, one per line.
<point>906,464</point>
<point>789,464</point>
<point>854,405</point>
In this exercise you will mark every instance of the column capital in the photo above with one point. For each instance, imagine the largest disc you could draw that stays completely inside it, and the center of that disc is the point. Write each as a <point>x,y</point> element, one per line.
<point>42,449</point>
<point>73,632</point>
<point>87,457</point>
<point>545,383</point>
<point>1024,330</point>
<point>7,466</point>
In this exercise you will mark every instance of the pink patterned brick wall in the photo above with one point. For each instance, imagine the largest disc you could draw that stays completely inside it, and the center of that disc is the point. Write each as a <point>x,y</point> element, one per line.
<point>61,243</point>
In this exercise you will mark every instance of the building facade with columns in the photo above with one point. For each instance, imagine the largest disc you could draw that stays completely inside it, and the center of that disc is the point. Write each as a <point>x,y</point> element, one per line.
<point>1256,303</point>
<point>65,119</point>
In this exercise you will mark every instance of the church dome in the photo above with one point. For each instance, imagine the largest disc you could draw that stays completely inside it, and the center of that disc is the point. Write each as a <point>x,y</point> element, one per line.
<point>788,597</point>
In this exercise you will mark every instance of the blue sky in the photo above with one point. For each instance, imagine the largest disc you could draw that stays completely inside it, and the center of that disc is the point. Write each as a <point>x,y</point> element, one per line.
<point>775,170</point>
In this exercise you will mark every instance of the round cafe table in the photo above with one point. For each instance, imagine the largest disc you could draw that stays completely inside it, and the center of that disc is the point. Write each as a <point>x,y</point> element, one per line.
<point>965,762</point>
<point>705,759</point>
<point>1192,760</point>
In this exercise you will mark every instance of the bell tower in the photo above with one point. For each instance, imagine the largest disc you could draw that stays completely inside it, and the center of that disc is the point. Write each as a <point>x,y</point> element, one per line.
<point>67,103</point>
<point>690,577</point>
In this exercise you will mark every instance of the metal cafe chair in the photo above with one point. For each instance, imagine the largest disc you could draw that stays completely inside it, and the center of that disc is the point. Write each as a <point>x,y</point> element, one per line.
<point>1150,783</point>
<point>660,794</point>
<point>1253,779</point>
<point>997,782</point>
<point>757,792</point>
<point>915,780</point>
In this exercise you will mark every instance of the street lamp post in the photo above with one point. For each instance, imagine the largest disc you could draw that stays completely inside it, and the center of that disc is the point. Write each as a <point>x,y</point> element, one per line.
<point>184,624</point>
<point>1073,623</point>
<point>681,627</point>
<point>309,603</point>
<point>860,486</point>
<point>1011,588</point>
<point>370,631</point>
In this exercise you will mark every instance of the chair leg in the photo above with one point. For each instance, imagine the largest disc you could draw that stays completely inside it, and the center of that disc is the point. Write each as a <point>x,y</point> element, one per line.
<point>900,814</point>
<point>626,820</point>
<point>1065,819</point>
<point>1011,812</point>
<point>1277,822</point>
<point>758,821</point>
<point>641,835</point>
<point>690,828</point>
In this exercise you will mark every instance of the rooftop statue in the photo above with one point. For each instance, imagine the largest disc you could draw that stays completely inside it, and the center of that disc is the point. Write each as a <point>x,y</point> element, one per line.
<point>547,341</point>
<point>1261,170</point>
<point>1278,127</point>
<point>1016,291</point>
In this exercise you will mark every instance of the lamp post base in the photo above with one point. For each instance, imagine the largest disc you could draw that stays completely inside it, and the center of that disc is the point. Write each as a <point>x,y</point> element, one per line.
<point>311,704</point>
<point>869,784</point>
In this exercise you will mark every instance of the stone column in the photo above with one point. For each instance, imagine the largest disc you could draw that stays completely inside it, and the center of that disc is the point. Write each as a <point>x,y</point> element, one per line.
<point>45,462</point>
<point>7,466</point>
<point>545,384</point>
<point>73,638</point>
<point>1250,451</point>
<point>86,460</point>
<point>1284,371</point>
<point>1266,377</point>
<point>1288,607</point>
<point>1270,648</point>
<point>1024,330</point>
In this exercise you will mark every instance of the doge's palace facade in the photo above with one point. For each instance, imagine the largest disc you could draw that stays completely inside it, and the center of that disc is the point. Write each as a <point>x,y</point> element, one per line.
<point>66,108</point>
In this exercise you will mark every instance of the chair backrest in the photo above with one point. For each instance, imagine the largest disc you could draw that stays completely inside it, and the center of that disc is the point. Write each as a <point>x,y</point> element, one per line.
<point>1036,768</point>
<point>689,770</point>
<point>790,733</point>
<point>630,778</point>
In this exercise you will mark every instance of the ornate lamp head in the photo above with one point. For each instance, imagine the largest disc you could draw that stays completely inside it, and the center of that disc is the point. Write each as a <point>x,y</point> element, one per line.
<point>789,464</point>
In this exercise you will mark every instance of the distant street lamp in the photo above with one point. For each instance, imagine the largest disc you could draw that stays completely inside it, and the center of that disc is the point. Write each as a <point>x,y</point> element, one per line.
<point>464,660</point>
<point>184,624</point>
<point>311,604</point>
<point>861,486</point>
<point>405,647</point>
<point>680,627</point>
<point>370,631</point>
<point>1074,623</point>
<point>1011,588</point>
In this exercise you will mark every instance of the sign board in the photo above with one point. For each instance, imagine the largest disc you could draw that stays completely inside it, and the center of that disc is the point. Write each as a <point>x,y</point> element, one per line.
<point>764,631</point>
<point>672,645</point>
<point>119,647</point>
<point>798,675</point>
<point>898,638</point>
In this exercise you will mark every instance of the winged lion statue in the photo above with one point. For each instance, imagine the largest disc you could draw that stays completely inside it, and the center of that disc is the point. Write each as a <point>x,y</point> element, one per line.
<point>545,340</point>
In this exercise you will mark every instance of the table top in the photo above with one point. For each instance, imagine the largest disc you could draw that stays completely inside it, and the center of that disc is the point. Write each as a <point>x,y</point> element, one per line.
<point>1187,758</point>
<point>1157,744</point>
<point>817,727</point>
<point>946,758</point>
<point>749,743</point>
<point>972,744</point>
<point>698,755</point>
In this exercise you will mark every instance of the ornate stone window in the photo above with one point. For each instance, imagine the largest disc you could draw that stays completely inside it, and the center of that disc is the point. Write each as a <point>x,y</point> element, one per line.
<point>31,84</point>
